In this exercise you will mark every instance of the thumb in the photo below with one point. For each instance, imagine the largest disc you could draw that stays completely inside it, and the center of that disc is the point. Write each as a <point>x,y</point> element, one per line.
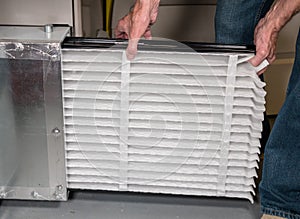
<point>258,58</point>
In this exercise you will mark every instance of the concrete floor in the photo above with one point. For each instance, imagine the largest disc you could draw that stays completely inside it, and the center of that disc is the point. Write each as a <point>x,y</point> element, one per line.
<point>114,205</point>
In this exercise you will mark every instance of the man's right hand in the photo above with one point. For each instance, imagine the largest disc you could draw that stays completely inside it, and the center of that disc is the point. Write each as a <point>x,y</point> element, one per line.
<point>137,24</point>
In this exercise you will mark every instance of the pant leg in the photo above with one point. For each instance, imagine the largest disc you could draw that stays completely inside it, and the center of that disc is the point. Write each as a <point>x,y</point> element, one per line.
<point>280,185</point>
<point>235,20</point>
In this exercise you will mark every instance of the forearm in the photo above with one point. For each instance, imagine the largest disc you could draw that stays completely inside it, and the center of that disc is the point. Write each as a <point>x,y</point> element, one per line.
<point>281,12</point>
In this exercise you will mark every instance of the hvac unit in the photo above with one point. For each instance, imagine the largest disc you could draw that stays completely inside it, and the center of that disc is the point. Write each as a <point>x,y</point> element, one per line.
<point>76,114</point>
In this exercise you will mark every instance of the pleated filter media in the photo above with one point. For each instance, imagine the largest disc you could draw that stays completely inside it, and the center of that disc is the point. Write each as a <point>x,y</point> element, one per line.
<point>167,122</point>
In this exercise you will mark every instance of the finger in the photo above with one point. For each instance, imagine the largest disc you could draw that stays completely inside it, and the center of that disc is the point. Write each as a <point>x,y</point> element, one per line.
<point>272,57</point>
<point>122,28</point>
<point>148,34</point>
<point>137,30</point>
<point>131,50</point>
<point>117,32</point>
<point>121,35</point>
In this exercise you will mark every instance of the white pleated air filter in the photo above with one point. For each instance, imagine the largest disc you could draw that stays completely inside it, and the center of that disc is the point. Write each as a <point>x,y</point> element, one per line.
<point>167,122</point>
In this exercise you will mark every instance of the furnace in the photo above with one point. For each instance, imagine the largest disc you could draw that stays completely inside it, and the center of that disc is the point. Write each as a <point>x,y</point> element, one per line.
<point>181,118</point>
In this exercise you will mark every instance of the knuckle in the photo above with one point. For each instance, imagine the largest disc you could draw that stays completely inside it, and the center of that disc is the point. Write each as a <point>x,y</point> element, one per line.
<point>263,53</point>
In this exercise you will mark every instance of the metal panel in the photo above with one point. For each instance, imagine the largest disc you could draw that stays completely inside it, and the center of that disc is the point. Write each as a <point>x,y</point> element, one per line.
<point>32,143</point>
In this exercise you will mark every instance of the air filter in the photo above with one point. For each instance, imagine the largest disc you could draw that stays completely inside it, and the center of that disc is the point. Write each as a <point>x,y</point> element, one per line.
<point>172,120</point>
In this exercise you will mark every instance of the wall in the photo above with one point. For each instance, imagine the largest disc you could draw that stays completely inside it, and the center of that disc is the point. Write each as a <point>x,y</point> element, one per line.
<point>92,17</point>
<point>36,12</point>
<point>187,20</point>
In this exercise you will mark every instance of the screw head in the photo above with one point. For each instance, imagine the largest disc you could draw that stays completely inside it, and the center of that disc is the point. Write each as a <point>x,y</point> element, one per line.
<point>56,131</point>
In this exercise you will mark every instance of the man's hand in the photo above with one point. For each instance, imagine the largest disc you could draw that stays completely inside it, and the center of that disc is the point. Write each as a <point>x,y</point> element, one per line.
<point>268,28</point>
<point>265,39</point>
<point>137,24</point>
